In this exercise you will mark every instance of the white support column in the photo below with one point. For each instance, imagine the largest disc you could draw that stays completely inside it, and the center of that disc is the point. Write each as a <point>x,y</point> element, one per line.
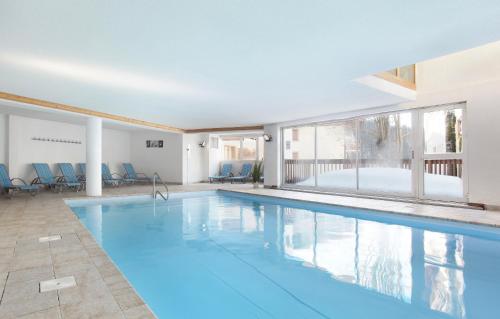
<point>94,156</point>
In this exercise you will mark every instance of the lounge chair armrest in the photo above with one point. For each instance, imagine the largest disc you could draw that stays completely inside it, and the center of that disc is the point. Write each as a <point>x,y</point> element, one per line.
<point>141,174</point>
<point>18,179</point>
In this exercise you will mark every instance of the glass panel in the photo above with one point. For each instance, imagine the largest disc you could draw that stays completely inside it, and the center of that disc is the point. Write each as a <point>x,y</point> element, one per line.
<point>249,149</point>
<point>337,155</point>
<point>443,178</point>
<point>443,135</point>
<point>393,72</point>
<point>298,155</point>
<point>230,148</point>
<point>407,73</point>
<point>385,153</point>
<point>443,131</point>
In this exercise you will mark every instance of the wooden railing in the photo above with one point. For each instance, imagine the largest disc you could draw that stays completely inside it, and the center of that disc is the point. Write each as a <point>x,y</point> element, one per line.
<point>297,171</point>
<point>450,167</point>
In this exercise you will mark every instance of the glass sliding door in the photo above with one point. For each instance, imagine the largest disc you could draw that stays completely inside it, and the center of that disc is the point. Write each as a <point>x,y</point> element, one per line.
<point>385,156</point>
<point>337,153</point>
<point>299,154</point>
<point>443,151</point>
<point>411,153</point>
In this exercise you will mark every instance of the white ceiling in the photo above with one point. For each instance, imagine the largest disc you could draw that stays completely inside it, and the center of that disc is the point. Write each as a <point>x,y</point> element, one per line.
<point>198,63</point>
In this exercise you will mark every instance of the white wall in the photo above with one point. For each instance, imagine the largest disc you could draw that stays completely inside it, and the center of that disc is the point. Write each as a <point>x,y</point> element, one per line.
<point>272,157</point>
<point>213,156</point>
<point>472,76</point>
<point>23,151</point>
<point>196,161</point>
<point>4,138</point>
<point>166,161</point>
<point>116,149</point>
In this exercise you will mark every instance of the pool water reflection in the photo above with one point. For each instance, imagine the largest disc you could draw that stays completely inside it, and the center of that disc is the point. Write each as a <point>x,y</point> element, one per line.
<point>234,257</point>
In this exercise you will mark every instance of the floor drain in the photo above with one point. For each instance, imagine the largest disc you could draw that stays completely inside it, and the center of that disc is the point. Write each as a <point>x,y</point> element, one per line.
<point>58,283</point>
<point>49,238</point>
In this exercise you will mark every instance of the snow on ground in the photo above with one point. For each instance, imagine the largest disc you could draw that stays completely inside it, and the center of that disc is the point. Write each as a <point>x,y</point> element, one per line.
<point>391,180</point>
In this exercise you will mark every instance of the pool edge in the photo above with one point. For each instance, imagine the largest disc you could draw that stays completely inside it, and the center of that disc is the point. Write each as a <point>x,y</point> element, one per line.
<point>457,218</point>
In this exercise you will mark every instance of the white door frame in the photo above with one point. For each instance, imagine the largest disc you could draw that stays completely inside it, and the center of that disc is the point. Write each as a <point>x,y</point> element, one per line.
<point>420,155</point>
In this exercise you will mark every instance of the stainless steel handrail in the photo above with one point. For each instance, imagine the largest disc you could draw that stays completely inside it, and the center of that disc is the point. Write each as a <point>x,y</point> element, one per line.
<point>155,191</point>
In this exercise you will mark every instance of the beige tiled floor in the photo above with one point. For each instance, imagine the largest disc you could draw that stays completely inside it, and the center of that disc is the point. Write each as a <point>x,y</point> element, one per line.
<point>101,290</point>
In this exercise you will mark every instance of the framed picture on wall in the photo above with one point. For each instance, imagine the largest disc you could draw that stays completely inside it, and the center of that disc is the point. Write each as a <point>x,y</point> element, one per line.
<point>154,143</point>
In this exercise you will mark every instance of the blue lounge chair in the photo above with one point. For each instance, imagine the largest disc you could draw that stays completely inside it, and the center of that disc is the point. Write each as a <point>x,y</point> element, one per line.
<point>46,178</point>
<point>224,173</point>
<point>109,179</point>
<point>69,175</point>
<point>246,170</point>
<point>82,167</point>
<point>7,185</point>
<point>132,174</point>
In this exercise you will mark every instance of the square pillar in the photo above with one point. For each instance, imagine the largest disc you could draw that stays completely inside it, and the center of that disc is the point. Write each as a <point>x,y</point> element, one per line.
<point>94,156</point>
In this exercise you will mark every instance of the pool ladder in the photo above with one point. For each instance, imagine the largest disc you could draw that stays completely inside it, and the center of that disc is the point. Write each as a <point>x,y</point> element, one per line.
<point>157,192</point>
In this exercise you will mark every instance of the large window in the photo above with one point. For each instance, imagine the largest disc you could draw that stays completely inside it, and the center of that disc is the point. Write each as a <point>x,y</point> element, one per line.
<point>371,154</point>
<point>248,149</point>
<point>242,148</point>
<point>231,148</point>
<point>299,154</point>
<point>385,153</point>
<point>410,153</point>
<point>337,155</point>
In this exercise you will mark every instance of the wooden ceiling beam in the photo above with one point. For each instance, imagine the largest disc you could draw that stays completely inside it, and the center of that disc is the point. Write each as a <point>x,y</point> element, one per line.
<point>119,118</point>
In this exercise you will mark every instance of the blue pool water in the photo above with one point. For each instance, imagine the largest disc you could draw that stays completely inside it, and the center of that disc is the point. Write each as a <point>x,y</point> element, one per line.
<point>223,255</point>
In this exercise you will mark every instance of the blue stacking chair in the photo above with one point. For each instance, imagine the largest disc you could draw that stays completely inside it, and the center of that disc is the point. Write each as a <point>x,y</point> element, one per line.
<point>224,173</point>
<point>69,175</point>
<point>109,179</point>
<point>7,185</point>
<point>46,178</point>
<point>246,170</point>
<point>132,174</point>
